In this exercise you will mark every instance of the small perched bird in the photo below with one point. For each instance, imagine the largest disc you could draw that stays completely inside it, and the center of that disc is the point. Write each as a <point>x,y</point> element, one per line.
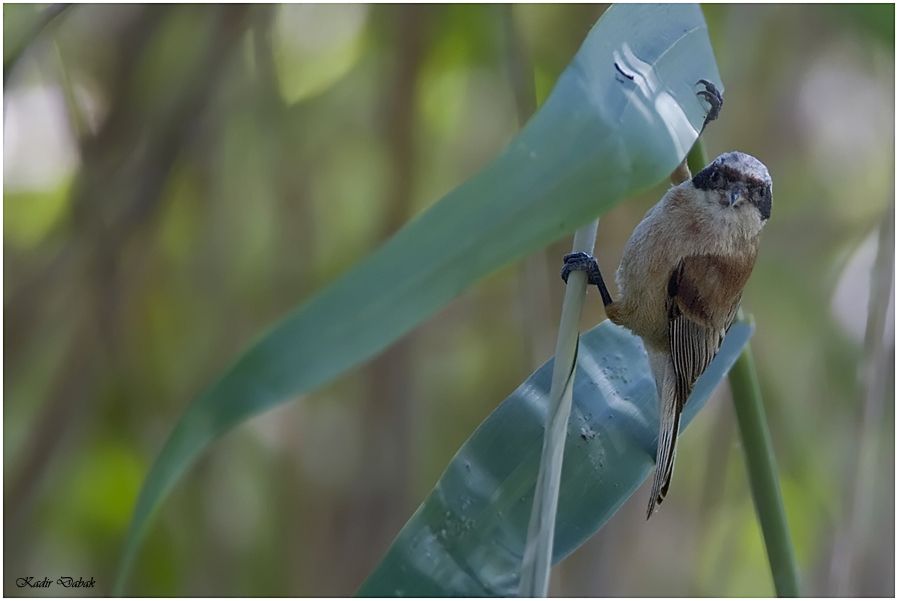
<point>681,279</point>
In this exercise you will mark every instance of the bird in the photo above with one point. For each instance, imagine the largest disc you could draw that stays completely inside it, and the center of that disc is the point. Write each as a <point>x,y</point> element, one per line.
<point>680,282</point>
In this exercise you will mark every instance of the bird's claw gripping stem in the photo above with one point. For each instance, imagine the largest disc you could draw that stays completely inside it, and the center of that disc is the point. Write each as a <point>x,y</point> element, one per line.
<point>580,261</point>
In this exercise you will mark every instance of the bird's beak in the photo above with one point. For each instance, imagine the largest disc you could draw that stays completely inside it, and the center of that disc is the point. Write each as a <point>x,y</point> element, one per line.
<point>737,193</point>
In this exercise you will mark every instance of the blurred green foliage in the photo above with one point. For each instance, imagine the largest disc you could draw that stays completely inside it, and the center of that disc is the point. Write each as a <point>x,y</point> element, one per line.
<point>170,189</point>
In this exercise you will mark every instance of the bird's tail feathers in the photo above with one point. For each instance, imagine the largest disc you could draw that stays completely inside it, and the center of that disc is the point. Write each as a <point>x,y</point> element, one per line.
<point>667,450</point>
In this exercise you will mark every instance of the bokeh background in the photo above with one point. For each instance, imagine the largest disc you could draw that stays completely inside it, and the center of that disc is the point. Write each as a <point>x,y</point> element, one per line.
<point>175,178</point>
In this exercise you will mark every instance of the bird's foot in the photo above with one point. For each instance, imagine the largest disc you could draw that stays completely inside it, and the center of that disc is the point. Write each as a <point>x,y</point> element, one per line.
<point>713,97</point>
<point>581,261</point>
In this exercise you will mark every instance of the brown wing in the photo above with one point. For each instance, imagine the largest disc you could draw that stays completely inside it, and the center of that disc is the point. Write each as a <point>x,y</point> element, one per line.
<point>703,295</point>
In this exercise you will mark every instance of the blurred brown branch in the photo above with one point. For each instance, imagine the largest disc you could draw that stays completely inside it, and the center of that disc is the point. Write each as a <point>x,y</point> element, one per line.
<point>379,503</point>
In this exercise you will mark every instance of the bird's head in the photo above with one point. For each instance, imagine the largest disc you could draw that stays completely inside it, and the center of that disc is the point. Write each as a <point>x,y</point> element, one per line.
<point>736,188</point>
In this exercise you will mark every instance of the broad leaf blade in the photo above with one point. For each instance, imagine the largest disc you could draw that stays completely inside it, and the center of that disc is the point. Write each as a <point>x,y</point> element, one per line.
<point>599,137</point>
<point>467,538</point>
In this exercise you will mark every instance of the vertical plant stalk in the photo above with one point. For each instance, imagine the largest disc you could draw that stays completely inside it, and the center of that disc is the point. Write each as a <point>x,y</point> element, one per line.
<point>879,356</point>
<point>537,560</point>
<point>759,458</point>
<point>762,474</point>
<point>541,531</point>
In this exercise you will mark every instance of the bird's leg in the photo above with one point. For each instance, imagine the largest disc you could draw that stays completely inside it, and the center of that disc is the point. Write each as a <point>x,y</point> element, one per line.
<point>581,261</point>
<point>714,98</point>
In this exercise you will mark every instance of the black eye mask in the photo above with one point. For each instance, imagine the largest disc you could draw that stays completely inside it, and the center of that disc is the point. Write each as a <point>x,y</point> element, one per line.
<point>762,198</point>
